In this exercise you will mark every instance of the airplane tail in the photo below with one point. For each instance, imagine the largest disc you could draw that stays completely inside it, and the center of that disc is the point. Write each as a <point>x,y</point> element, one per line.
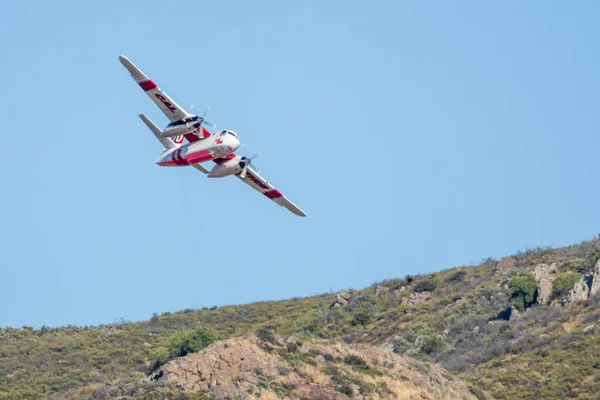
<point>168,142</point>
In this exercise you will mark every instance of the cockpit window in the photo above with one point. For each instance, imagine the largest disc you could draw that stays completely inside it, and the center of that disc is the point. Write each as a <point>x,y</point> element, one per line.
<point>231,133</point>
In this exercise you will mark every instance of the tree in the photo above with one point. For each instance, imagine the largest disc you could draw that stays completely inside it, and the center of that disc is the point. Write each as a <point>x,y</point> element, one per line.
<point>563,284</point>
<point>424,286</point>
<point>158,357</point>
<point>430,344</point>
<point>523,291</point>
<point>192,341</point>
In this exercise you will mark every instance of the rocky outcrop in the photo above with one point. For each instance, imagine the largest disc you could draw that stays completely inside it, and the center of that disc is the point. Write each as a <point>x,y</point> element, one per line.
<point>415,298</point>
<point>545,275</point>
<point>590,329</point>
<point>505,265</point>
<point>382,290</point>
<point>341,299</point>
<point>579,292</point>
<point>595,289</point>
<point>242,367</point>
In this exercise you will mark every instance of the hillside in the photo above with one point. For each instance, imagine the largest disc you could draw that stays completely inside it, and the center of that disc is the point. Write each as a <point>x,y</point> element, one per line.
<point>522,327</point>
<point>279,369</point>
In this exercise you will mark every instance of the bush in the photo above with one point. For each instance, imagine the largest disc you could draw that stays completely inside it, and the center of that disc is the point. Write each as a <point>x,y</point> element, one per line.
<point>267,334</point>
<point>523,291</point>
<point>564,283</point>
<point>458,276</point>
<point>431,344</point>
<point>362,317</point>
<point>192,341</point>
<point>158,357</point>
<point>354,360</point>
<point>424,286</point>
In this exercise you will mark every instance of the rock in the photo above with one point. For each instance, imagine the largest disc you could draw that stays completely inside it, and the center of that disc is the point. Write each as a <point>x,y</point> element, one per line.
<point>445,333</point>
<point>381,290</point>
<point>238,366</point>
<point>415,298</point>
<point>292,344</point>
<point>341,299</point>
<point>147,345</point>
<point>320,359</point>
<point>389,347</point>
<point>514,314</point>
<point>355,390</point>
<point>476,330</point>
<point>589,329</point>
<point>579,292</point>
<point>596,280</point>
<point>505,265</point>
<point>544,275</point>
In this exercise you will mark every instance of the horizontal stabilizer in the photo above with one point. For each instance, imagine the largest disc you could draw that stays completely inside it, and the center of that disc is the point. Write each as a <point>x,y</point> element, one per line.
<point>168,143</point>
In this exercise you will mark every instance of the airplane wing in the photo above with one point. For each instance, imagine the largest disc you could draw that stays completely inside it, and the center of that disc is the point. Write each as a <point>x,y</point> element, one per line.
<point>260,184</point>
<point>200,168</point>
<point>167,105</point>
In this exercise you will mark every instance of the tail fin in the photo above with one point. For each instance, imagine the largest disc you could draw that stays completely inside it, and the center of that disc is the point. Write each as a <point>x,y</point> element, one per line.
<point>170,142</point>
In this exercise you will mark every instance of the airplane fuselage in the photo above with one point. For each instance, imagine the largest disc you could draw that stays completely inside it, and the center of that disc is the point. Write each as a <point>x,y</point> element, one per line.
<point>214,147</point>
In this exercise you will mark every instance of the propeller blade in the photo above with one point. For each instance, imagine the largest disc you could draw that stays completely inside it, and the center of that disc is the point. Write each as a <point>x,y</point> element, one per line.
<point>206,110</point>
<point>258,154</point>
<point>211,124</point>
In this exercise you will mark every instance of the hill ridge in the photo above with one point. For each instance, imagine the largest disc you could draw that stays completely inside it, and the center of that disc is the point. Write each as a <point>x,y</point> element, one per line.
<point>522,327</point>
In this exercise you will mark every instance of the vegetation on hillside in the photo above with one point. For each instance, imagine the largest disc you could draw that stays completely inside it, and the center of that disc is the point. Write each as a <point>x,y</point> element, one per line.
<point>459,317</point>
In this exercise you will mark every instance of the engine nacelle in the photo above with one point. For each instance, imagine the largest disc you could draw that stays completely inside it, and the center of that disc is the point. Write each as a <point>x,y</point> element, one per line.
<point>229,167</point>
<point>182,127</point>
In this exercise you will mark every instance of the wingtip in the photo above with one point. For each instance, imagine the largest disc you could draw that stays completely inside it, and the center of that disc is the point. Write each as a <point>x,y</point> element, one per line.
<point>126,63</point>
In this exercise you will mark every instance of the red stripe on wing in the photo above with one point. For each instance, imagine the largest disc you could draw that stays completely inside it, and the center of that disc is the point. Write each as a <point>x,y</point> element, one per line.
<point>273,194</point>
<point>148,85</point>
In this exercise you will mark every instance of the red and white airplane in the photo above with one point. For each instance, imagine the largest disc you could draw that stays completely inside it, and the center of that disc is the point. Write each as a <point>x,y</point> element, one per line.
<point>201,146</point>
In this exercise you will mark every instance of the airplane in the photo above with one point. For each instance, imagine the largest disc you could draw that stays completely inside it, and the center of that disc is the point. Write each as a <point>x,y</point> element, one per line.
<point>202,146</point>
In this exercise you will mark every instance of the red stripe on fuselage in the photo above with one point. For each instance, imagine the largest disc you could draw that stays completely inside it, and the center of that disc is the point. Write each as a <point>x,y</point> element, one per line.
<point>148,85</point>
<point>177,157</point>
<point>192,137</point>
<point>202,156</point>
<point>223,159</point>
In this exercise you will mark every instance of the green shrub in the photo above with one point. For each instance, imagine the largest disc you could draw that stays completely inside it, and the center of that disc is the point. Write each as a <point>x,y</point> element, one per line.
<point>458,276</point>
<point>523,291</point>
<point>444,302</point>
<point>354,360</point>
<point>431,344</point>
<point>424,286</point>
<point>563,283</point>
<point>267,334</point>
<point>158,357</point>
<point>192,341</point>
<point>362,317</point>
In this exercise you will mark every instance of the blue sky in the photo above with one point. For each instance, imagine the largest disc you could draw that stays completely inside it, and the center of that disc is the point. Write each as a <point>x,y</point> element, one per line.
<point>417,136</point>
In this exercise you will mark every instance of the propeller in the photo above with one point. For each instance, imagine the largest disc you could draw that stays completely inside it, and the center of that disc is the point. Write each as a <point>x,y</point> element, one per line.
<point>245,162</point>
<point>203,121</point>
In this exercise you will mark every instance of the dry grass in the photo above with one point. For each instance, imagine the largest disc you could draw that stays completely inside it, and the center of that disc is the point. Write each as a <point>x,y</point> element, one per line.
<point>571,323</point>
